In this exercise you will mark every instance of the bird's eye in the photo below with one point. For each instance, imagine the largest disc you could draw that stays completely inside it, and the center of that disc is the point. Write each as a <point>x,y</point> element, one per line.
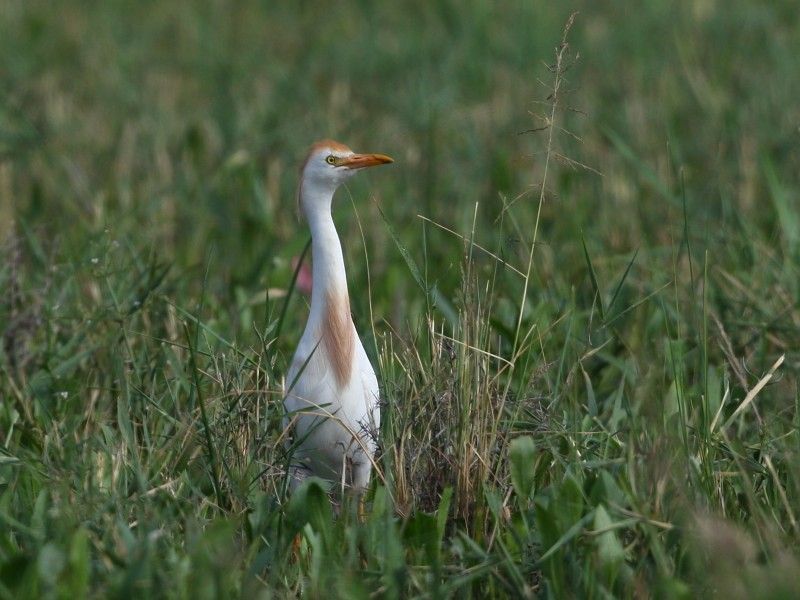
<point>331,160</point>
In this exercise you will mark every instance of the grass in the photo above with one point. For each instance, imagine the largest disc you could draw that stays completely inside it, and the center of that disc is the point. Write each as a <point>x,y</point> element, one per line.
<point>582,297</point>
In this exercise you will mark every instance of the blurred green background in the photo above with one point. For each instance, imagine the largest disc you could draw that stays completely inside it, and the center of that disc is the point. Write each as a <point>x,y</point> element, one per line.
<point>149,156</point>
<point>187,122</point>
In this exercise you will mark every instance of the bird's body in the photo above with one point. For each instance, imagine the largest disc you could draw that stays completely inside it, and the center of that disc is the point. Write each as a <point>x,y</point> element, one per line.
<point>332,393</point>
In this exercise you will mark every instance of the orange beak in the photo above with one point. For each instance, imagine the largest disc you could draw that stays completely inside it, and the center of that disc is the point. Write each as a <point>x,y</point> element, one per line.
<point>360,161</point>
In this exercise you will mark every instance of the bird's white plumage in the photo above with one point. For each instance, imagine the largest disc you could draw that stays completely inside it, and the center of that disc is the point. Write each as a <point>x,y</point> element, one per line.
<point>335,428</point>
<point>332,395</point>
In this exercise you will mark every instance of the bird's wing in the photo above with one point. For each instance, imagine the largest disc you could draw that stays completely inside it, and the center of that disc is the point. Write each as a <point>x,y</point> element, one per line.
<point>308,382</point>
<point>307,392</point>
<point>369,383</point>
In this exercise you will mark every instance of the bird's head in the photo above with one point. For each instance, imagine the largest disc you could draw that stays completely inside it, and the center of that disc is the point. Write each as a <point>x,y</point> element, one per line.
<point>329,164</point>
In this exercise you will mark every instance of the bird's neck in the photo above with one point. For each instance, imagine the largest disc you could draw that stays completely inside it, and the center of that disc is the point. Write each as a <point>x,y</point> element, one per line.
<point>330,321</point>
<point>329,279</point>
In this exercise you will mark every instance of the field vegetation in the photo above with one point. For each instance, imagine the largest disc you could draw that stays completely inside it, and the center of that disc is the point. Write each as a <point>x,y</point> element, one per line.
<point>579,283</point>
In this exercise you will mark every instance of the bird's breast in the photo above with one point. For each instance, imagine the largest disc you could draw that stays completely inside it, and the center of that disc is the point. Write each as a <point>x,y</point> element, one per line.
<point>338,336</point>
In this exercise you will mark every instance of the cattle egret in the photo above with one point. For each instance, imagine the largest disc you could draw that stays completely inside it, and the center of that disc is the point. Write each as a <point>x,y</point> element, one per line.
<point>331,401</point>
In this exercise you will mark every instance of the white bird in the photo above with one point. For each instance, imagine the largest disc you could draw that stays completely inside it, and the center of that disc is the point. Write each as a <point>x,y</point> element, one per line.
<point>332,395</point>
